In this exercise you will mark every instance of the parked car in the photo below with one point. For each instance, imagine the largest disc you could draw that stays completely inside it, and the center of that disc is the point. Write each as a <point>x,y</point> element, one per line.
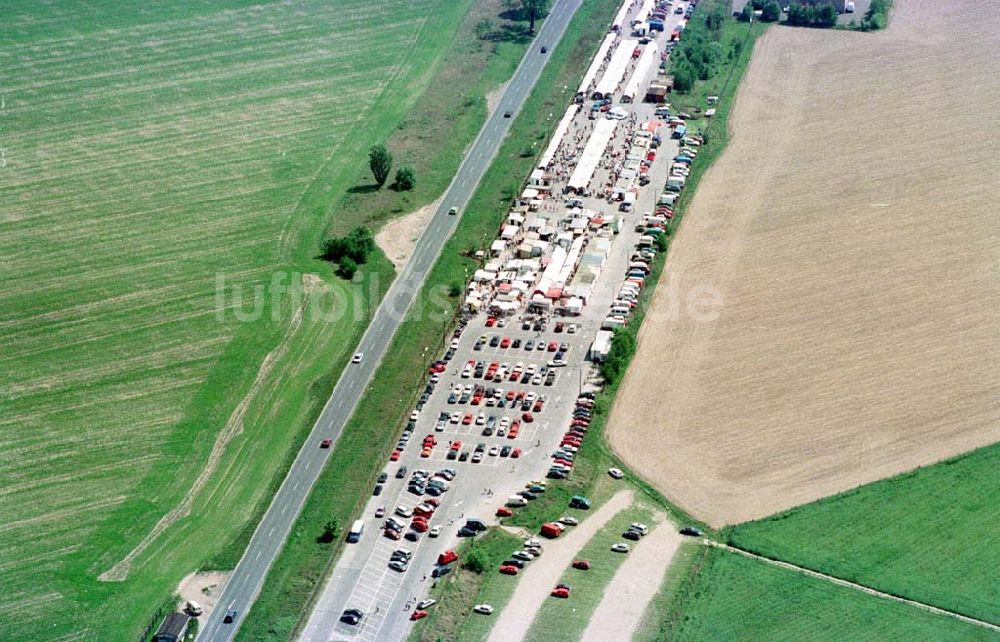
<point>484,609</point>
<point>581,565</point>
<point>351,616</point>
<point>691,531</point>
<point>620,547</point>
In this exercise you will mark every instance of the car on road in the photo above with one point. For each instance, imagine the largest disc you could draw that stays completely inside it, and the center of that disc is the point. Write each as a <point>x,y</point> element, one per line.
<point>620,547</point>
<point>358,356</point>
<point>326,443</point>
<point>351,616</point>
<point>616,473</point>
<point>506,114</point>
<point>377,490</point>
<point>230,616</point>
<point>380,512</point>
<point>434,532</point>
<point>484,609</point>
<point>452,211</point>
<point>401,473</point>
<point>545,49</point>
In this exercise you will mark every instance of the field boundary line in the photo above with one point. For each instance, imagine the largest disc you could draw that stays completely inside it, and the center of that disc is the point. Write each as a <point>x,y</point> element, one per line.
<point>854,585</point>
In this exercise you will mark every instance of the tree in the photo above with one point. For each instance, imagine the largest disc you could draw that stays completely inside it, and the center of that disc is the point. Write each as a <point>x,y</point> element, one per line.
<point>622,348</point>
<point>357,245</point>
<point>746,15</point>
<point>348,267</point>
<point>683,77</point>
<point>329,532</point>
<point>380,162</point>
<point>826,15</point>
<point>476,561</point>
<point>530,9</point>
<point>406,178</point>
<point>772,11</point>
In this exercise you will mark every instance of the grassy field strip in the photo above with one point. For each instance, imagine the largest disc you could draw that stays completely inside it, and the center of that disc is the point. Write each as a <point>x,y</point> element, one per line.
<point>735,597</point>
<point>128,187</point>
<point>663,612</point>
<point>857,587</point>
<point>631,591</point>
<point>541,575</point>
<point>559,619</point>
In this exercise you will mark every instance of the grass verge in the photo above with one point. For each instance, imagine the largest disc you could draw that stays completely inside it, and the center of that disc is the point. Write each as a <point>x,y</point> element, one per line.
<point>664,611</point>
<point>737,598</point>
<point>559,619</point>
<point>462,589</point>
<point>928,535</point>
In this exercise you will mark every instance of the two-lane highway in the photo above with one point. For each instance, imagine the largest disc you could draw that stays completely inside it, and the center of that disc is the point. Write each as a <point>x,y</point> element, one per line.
<point>245,583</point>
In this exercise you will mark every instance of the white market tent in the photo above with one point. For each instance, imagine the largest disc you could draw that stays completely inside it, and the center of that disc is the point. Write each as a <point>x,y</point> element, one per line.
<point>645,10</point>
<point>622,14</point>
<point>592,153</point>
<point>561,128</point>
<point>647,60</point>
<point>595,66</point>
<point>616,68</point>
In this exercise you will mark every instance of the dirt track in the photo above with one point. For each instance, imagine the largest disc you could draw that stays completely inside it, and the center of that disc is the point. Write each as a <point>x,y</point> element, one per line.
<point>852,229</point>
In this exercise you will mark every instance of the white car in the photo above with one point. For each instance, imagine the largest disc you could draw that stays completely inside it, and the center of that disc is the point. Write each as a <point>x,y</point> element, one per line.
<point>455,417</point>
<point>524,556</point>
<point>494,450</point>
<point>569,521</point>
<point>639,527</point>
<point>616,473</point>
<point>484,609</point>
<point>358,356</point>
<point>620,547</point>
<point>423,605</point>
<point>403,511</point>
<point>434,532</point>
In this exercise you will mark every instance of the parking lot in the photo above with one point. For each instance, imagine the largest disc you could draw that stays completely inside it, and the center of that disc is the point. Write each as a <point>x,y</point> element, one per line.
<point>362,578</point>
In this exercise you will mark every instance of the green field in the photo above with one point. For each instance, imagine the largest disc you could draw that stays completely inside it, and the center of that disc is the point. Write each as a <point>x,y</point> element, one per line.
<point>148,150</point>
<point>737,598</point>
<point>929,535</point>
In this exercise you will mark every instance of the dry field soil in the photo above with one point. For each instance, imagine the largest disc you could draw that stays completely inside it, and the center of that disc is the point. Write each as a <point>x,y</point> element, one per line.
<point>851,228</point>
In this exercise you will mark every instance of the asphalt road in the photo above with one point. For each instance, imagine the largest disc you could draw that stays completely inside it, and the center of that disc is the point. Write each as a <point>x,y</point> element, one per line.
<point>247,579</point>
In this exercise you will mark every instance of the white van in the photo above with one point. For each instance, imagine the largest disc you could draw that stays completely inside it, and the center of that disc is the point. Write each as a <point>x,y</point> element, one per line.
<point>620,310</point>
<point>357,529</point>
<point>193,608</point>
<point>516,501</point>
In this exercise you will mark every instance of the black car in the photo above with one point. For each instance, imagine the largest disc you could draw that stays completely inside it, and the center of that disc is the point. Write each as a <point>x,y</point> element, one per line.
<point>230,616</point>
<point>401,473</point>
<point>475,525</point>
<point>464,456</point>
<point>351,616</point>
<point>691,531</point>
<point>505,451</point>
<point>378,490</point>
<point>383,477</point>
<point>494,340</point>
<point>635,536</point>
<point>452,454</point>
<point>526,325</point>
<point>517,563</point>
<point>412,536</point>
<point>441,571</point>
<point>506,114</point>
<point>466,532</point>
<point>545,49</point>
<point>516,343</point>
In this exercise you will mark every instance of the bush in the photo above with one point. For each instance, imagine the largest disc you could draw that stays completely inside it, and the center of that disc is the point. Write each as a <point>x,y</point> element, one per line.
<point>746,14</point>
<point>406,178</point>
<point>347,267</point>
<point>357,245</point>
<point>476,561</point>
<point>699,53</point>
<point>622,348</point>
<point>805,15</point>
<point>772,11</point>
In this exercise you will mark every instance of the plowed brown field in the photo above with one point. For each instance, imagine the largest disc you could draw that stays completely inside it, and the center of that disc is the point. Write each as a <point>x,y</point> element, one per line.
<point>852,229</point>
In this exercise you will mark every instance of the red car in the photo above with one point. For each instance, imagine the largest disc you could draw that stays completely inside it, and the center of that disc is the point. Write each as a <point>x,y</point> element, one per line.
<point>538,406</point>
<point>561,591</point>
<point>433,501</point>
<point>419,525</point>
<point>477,400</point>
<point>422,512</point>
<point>455,445</point>
<point>326,443</point>
<point>514,454</point>
<point>514,430</point>
<point>553,346</point>
<point>505,342</point>
<point>437,367</point>
<point>467,419</point>
<point>509,569</point>
<point>582,565</point>
<point>527,418</point>
<point>395,455</point>
<point>417,615</point>
<point>491,321</point>
<point>426,452</point>
<point>447,557</point>
<point>391,534</point>
<point>503,511</point>
<point>636,52</point>
<point>510,395</point>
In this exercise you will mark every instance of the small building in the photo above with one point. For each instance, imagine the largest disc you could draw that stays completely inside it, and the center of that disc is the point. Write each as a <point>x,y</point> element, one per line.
<point>172,629</point>
<point>601,347</point>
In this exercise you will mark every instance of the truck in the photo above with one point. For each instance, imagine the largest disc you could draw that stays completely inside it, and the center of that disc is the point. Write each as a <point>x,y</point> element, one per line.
<point>552,530</point>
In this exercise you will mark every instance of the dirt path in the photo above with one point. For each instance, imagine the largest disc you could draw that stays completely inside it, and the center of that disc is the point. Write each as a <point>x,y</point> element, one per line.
<point>203,588</point>
<point>398,237</point>
<point>234,426</point>
<point>633,586</point>
<point>541,575</point>
<point>857,336</point>
<point>855,586</point>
